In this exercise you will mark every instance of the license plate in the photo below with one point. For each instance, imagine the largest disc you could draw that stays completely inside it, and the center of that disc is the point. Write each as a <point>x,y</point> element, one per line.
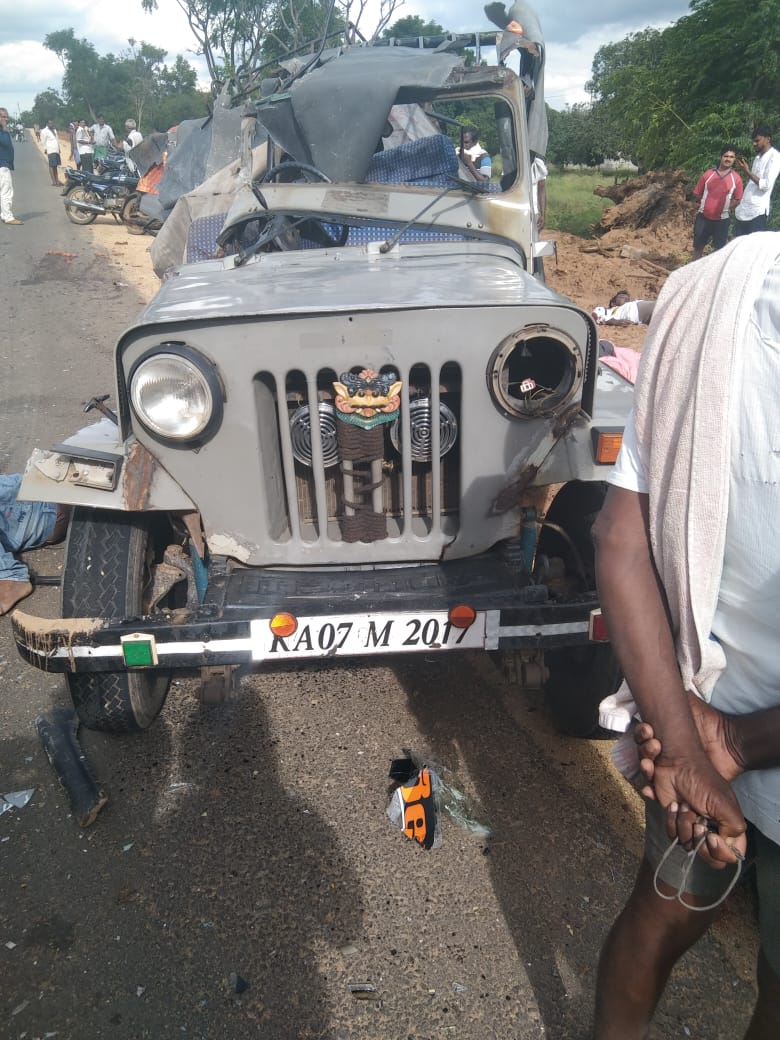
<point>360,634</point>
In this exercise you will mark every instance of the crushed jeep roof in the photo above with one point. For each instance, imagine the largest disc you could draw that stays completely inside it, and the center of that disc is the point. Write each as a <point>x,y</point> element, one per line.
<point>333,116</point>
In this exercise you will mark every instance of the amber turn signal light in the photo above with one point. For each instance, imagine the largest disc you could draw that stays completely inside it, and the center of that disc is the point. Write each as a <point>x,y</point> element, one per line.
<point>462,616</point>
<point>283,625</point>
<point>606,444</point>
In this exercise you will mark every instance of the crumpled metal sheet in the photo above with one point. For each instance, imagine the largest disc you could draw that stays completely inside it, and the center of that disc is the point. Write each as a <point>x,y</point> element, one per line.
<point>334,115</point>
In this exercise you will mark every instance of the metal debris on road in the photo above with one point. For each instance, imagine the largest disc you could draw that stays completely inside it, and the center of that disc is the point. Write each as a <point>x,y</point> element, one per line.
<point>409,776</point>
<point>363,991</point>
<point>15,800</point>
<point>414,802</point>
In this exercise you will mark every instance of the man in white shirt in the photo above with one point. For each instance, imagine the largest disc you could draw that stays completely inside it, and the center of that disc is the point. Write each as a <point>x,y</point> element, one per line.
<point>102,138</point>
<point>752,214</point>
<point>132,138</point>
<point>51,146</point>
<point>688,566</point>
<point>6,169</point>
<point>84,144</point>
<point>622,310</point>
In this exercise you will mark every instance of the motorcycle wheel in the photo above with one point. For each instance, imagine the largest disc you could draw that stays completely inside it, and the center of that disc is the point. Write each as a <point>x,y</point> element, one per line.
<point>132,218</point>
<point>81,216</point>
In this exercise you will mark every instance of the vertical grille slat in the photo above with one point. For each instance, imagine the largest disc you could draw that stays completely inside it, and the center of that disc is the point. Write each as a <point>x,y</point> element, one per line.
<point>318,469</point>
<point>434,394</point>
<point>288,460</point>
<point>406,456</point>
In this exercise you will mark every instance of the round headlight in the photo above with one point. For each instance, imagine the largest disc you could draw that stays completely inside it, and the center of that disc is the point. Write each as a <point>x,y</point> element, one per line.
<point>176,396</point>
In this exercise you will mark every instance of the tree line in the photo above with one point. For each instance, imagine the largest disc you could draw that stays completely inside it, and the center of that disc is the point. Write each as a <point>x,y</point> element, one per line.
<point>136,84</point>
<point>672,98</point>
<point>661,98</point>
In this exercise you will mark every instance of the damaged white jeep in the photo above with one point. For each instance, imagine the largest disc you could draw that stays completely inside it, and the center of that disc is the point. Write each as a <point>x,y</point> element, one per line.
<point>366,427</point>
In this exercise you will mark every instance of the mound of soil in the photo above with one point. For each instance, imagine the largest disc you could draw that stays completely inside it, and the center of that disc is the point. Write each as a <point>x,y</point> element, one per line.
<point>639,240</point>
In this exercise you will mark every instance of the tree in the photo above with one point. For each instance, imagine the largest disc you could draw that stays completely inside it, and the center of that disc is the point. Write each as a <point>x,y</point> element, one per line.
<point>81,64</point>
<point>229,33</point>
<point>412,25</point>
<point>300,24</point>
<point>136,83</point>
<point>574,136</point>
<point>233,35</point>
<point>672,98</point>
<point>49,104</point>
<point>145,65</point>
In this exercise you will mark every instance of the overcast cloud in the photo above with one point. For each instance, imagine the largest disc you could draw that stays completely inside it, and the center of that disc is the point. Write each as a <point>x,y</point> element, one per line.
<point>573,31</point>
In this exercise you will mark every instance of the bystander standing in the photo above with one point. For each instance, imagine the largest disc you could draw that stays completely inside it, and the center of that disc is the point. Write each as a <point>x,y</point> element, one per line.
<point>51,145</point>
<point>718,191</point>
<point>6,169</point>
<point>102,138</point>
<point>687,563</point>
<point>133,136</point>
<point>752,214</point>
<point>84,142</point>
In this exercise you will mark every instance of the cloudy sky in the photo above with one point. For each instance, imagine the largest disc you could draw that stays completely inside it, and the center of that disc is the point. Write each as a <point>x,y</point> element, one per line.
<point>573,31</point>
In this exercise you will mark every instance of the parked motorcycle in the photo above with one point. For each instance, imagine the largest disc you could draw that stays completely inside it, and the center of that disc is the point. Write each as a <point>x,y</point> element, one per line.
<point>89,195</point>
<point>114,162</point>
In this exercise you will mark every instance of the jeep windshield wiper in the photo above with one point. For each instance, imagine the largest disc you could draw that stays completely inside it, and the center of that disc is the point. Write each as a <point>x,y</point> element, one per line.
<point>457,185</point>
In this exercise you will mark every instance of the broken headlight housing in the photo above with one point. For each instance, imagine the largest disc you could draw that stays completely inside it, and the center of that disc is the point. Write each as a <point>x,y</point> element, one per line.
<point>535,372</point>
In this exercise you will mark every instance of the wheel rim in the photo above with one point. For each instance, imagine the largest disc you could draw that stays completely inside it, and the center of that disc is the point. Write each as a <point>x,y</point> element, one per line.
<point>81,216</point>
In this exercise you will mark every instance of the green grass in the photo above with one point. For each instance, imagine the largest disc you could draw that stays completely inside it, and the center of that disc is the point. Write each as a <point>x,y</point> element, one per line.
<point>571,204</point>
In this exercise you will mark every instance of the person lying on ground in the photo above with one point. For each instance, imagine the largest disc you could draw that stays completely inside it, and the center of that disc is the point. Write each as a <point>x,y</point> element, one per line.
<point>23,526</point>
<point>622,310</point>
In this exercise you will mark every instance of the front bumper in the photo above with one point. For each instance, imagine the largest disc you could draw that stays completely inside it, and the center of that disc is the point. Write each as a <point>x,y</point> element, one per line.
<point>222,630</point>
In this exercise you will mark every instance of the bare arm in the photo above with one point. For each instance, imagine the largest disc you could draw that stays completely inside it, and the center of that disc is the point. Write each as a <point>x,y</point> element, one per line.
<point>735,743</point>
<point>634,604</point>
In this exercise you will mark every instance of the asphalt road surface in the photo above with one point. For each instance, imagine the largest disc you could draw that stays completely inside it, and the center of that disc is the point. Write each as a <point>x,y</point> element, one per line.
<point>244,874</point>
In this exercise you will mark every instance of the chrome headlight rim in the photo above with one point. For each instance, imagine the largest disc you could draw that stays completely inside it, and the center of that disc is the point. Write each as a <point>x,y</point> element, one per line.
<point>556,398</point>
<point>205,369</point>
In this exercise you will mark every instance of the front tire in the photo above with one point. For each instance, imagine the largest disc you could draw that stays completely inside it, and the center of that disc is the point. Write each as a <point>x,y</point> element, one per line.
<point>81,216</point>
<point>106,573</point>
<point>580,677</point>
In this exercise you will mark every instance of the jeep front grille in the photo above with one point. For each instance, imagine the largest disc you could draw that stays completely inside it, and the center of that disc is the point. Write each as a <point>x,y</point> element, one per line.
<point>416,491</point>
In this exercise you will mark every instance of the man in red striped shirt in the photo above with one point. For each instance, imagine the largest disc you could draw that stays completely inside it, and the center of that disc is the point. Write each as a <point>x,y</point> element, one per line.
<point>719,190</point>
